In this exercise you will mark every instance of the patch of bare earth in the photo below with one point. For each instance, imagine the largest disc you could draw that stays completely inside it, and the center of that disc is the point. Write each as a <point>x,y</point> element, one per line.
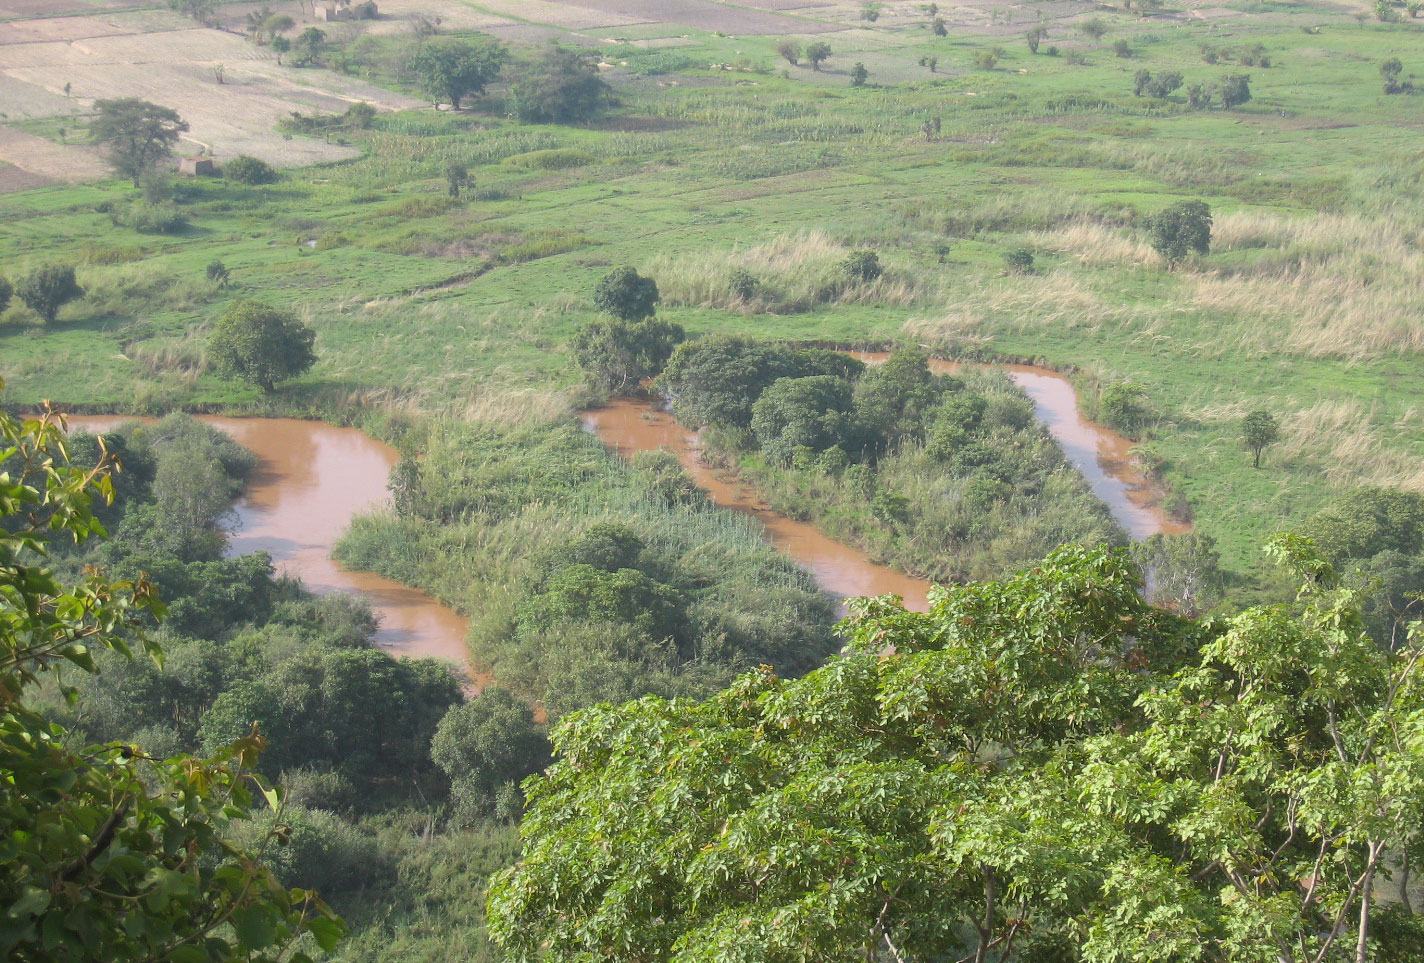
<point>49,161</point>
<point>178,68</point>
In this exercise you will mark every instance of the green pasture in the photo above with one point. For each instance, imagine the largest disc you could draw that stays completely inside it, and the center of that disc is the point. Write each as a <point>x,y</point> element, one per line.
<point>421,299</point>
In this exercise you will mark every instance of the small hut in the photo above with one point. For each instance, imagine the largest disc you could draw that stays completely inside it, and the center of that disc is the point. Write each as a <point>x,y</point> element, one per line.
<point>196,167</point>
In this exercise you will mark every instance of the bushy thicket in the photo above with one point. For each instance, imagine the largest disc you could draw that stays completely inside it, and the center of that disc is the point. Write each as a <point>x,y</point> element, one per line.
<point>948,477</point>
<point>350,729</point>
<point>588,580</point>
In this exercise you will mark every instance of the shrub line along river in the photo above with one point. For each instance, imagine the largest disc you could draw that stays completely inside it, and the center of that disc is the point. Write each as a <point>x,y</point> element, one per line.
<point>312,478</point>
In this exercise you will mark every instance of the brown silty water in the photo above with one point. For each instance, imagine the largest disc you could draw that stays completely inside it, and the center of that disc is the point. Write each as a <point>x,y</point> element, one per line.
<point>1101,455</point>
<point>311,479</point>
<point>631,425</point>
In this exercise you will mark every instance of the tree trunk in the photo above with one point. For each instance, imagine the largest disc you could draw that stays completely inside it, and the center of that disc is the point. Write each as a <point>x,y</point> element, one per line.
<point>1256,461</point>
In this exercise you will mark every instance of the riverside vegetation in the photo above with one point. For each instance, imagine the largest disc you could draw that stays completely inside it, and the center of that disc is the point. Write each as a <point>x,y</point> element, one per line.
<point>1250,246</point>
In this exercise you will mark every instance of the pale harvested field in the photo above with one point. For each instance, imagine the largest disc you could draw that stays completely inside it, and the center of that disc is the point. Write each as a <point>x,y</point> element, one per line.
<point>698,14</point>
<point>55,8</point>
<point>397,16</point>
<point>57,28</point>
<point>35,155</point>
<point>175,68</point>
<point>574,15</point>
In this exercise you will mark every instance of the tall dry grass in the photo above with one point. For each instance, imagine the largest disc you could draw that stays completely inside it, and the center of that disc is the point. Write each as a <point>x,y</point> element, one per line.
<point>793,272</point>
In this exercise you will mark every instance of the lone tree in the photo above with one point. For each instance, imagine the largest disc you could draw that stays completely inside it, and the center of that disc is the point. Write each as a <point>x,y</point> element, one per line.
<point>1235,90</point>
<point>858,75</point>
<point>1180,230</point>
<point>561,86</point>
<point>1035,37</point>
<point>260,344</point>
<point>136,133</point>
<point>626,294</point>
<point>1258,431</point>
<point>47,289</point>
<point>789,49</point>
<point>817,52</point>
<point>455,69</point>
<point>457,177</point>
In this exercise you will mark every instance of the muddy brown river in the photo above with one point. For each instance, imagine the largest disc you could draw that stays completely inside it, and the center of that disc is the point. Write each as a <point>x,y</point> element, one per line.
<point>311,479</point>
<point>631,425</point>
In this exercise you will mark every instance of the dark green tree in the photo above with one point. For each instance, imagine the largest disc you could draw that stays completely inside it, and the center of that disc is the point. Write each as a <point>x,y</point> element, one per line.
<point>136,134</point>
<point>859,75</point>
<point>715,380</point>
<point>1259,430</point>
<point>862,267</point>
<point>802,413</point>
<point>618,355</point>
<point>457,178</point>
<point>6,291</point>
<point>246,169</point>
<point>487,742</point>
<point>108,852</point>
<point>1235,90</point>
<point>1035,37</point>
<point>260,344</point>
<point>1179,230</point>
<point>561,86</point>
<point>817,53</point>
<point>626,294</point>
<point>47,289</point>
<point>455,69</point>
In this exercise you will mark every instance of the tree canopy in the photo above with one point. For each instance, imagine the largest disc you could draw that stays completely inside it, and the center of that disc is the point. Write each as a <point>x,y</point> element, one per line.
<point>137,134</point>
<point>1041,768</point>
<point>1179,230</point>
<point>454,69</point>
<point>260,344</point>
<point>109,852</point>
<point>560,86</point>
<point>626,294</point>
<point>48,288</point>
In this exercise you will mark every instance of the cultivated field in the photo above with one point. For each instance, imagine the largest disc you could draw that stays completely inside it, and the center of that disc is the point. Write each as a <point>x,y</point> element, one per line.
<point>169,61</point>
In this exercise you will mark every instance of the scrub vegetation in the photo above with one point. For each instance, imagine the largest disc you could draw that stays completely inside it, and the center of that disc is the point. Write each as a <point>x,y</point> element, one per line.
<point>1209,218</point>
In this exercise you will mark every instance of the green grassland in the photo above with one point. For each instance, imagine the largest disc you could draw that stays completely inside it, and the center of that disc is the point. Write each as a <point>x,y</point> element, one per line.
<point>1309,304</point>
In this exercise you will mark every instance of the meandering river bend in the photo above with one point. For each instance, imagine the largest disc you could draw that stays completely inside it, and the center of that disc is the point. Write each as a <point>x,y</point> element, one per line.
<point>312,478</point>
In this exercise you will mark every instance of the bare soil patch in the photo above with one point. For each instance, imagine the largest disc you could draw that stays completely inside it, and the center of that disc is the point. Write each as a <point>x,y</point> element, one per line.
<point>574,15</point>
<point>175,68</point>
<point>700,15</point>
<point>45,158</point>
<point>55,8</point>
<point>57,29</point>
<point>14,179</point>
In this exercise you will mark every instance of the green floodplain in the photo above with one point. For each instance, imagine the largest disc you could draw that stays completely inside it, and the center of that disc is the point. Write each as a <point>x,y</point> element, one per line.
<point>1007,166</point>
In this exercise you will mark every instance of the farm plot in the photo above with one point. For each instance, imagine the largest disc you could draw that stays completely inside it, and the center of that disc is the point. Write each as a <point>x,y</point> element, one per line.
<point>176,68</point>
<point>697,14</point>
<point>399,16</point>
<point>46,159</point>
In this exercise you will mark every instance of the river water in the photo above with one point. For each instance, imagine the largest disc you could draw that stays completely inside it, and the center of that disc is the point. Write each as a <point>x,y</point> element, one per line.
<point>631,425</point>
<point>311,479</point>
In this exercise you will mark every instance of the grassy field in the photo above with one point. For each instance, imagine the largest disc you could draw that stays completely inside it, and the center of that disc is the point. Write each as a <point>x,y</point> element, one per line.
<point>723,155</point>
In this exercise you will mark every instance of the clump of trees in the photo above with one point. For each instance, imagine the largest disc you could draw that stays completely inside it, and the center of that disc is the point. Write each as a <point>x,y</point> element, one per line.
<point>1180,230</point>
<point>246,169</point>
<point>1042,767</point>
<point>136,134</point>
<point>114,851</point>
<point>48,288</point>
<point>1390,71</point>
<point>260,344</point>
<point>452,70</point>
<point>1160,86</point>
<point>618,353</point>
<point>560,86</point>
